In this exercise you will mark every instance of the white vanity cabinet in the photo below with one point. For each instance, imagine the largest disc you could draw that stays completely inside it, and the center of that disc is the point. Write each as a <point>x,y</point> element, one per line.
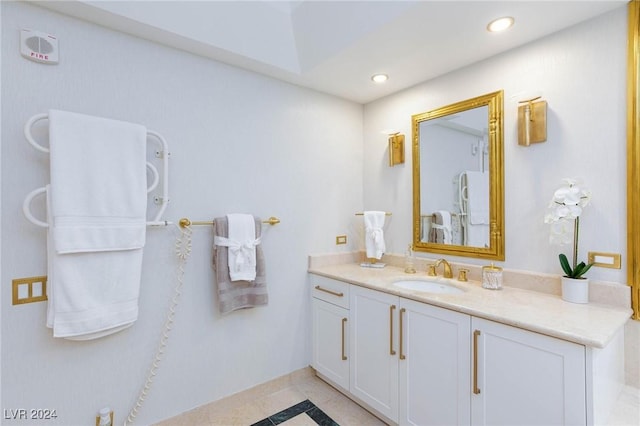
<point>409,361</point>
<point>374,350</point>
<point>525,378</point>
<point>435,362</point>
<point>330,335</point>
<point>413,363</point>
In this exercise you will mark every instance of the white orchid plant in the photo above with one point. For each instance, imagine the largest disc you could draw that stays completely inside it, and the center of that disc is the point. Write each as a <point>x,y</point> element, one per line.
<point>564,213</point>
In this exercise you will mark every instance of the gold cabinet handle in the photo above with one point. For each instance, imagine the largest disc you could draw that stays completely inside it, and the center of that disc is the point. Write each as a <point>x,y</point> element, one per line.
<point>391,309</point>
<point>344,321</point>
<point>329,291</point>
<point>476,389</point>
<point>402,311</point>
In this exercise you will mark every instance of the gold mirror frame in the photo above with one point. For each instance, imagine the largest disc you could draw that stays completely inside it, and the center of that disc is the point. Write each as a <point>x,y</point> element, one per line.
<point>633,158</point>
<point>495,251</point>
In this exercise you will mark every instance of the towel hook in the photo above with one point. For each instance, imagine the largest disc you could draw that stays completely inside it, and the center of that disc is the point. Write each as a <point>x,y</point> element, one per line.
<point>156,177</point>
<point>26,207</point>
<point>27,131</point>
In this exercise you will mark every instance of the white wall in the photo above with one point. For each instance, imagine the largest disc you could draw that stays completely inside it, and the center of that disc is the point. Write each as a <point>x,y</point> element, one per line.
<point>581,73</point>
<point>242,142</point>
<point>239,142</point>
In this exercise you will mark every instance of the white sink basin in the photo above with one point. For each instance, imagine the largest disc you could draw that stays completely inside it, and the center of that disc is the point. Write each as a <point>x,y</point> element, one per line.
<point>428,286</point>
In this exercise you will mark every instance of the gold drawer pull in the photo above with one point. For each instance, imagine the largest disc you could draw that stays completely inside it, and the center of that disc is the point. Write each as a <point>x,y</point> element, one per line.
<point>329,291</point>
<point>401,356</point>
<point>344,321</point>
<point>391,309</point>
<point>476,389</point>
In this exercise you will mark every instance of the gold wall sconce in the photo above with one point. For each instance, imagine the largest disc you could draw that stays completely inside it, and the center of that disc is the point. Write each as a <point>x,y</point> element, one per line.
<point>532,121</point>
<point>396,149</point>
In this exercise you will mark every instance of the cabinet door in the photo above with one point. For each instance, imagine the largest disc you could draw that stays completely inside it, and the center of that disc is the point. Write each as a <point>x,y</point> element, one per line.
<point>374,346</point>
<point>330,340</point>
<point>435,355</point>
<point>525,378</point>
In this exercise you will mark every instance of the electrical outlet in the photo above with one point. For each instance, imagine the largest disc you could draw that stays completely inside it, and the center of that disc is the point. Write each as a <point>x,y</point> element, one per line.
<point>29,290</point>
<point>605,260</point>
<point>341,239</point>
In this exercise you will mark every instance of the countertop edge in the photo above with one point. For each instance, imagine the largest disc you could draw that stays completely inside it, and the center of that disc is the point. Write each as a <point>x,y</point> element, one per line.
<point>571,328</point>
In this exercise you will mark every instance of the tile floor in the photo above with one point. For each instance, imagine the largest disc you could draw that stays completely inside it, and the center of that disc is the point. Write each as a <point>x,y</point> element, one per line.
<point>257,404</point>
<point>306,411</point>
<point>282,402</point>
<point>627,409</point>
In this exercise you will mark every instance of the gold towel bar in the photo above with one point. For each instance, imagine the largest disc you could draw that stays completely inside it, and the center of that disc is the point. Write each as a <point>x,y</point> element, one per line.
<point>362,214</point>
<point>184,222</point>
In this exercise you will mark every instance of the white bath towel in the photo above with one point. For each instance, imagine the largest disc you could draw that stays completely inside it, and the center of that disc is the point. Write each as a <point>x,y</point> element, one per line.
<point>241,243</point>
<point>374,235</point>
<point>98,183</point>
<point>425,227</point>
<point>92,294</point>
<point>477,235</point>
<point>478,197</point>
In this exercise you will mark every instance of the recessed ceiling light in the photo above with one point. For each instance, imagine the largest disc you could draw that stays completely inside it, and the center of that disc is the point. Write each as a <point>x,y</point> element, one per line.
<point>380,78</point>
<point>500,24</point>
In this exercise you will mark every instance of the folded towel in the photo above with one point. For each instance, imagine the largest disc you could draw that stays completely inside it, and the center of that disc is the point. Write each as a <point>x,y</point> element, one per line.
<point>241,245</point>
<point>477,235</point>
<point>98,183</point>
<point>441,227</point>
<point>456,230</point>
<point>425,229</point>
<point>91,295</point>
<point>233,295</point>
<point>374,236</point>
<point>478,197</point>
<point>436,235</point>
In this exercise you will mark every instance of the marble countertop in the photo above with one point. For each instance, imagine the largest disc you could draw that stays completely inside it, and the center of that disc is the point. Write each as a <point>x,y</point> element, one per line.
<point>587,324</point>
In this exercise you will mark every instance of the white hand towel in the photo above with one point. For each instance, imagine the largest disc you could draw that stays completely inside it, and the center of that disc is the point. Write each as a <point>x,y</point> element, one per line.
<point>98,183</point>
<point>93,294</point>
<point>446,226</point>
<point>374,236</point>
<point>242,244</point>
<point>478,197</point>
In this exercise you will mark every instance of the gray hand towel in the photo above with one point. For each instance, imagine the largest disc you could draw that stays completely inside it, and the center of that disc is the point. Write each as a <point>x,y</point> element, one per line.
<point>233,295</point>
<point>436,235</point>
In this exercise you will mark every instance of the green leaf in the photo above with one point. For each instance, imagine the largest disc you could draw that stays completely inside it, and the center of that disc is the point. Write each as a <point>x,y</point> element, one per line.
<point>565,265</point>
<point>578,271</point>
<point>583,270</point>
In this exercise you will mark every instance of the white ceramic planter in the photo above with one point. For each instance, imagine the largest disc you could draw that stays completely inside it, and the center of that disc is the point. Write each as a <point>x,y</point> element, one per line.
<point>575,290</point>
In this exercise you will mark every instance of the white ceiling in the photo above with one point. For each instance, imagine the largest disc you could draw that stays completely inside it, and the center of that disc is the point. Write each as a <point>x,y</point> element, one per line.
<point>336,46</point>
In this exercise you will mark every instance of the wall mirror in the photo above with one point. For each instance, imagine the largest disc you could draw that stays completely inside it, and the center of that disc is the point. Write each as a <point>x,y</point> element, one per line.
<point>458,184</point>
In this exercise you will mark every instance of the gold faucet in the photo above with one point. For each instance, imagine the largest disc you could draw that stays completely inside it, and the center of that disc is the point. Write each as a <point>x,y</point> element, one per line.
<point>447,268</point>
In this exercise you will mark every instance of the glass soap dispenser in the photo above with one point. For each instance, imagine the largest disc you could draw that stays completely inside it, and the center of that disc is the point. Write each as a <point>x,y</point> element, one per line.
<point>409,268</point>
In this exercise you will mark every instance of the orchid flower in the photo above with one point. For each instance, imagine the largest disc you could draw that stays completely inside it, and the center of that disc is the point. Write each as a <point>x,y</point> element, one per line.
<point>567,204</point>
<point>565,209</point>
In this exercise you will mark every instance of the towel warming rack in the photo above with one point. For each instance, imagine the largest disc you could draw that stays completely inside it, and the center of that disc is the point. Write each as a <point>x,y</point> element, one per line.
<point>162,153</point>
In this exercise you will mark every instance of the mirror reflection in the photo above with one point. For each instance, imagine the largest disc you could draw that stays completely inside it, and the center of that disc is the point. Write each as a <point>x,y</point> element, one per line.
<point>455,149</point>
<point>458,178</point>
